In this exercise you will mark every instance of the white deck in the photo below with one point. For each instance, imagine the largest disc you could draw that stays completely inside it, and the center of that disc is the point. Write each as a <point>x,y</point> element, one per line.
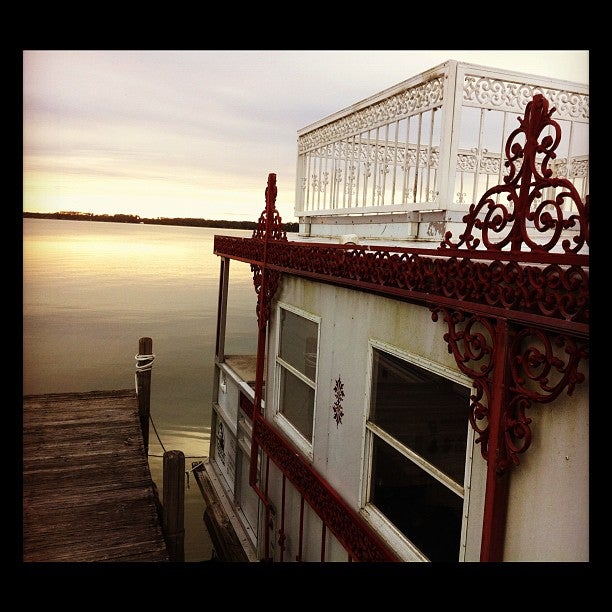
<point>407,163</point>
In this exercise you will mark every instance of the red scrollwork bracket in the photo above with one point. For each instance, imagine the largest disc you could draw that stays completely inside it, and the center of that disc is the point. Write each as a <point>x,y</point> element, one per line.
<point>538,373</point>
<point>538,368</point>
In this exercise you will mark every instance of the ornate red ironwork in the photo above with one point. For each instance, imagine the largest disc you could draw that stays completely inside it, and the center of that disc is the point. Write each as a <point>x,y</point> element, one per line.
<point>270,223</point>
<point>556,295</point>
<point>269,227</point>
<point>537,374</point>
<point>346,525</point>
<point>528,176</point>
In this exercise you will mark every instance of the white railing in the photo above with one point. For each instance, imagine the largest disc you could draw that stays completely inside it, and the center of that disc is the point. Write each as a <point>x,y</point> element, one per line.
<point>434,142</point>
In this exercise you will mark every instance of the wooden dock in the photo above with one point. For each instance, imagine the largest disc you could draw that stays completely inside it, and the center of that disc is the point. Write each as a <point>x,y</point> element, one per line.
<point>88,494</point>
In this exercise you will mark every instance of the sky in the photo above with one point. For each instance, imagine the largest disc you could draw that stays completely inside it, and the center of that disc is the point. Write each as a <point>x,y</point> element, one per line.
<point>171,133</point>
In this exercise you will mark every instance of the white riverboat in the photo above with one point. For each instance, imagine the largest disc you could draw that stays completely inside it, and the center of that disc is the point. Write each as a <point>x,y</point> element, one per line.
<point>420,390</point>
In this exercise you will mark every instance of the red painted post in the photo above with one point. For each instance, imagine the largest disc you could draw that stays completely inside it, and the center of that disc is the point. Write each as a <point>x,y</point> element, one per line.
<point>498,476</point>
<point>262,313</point>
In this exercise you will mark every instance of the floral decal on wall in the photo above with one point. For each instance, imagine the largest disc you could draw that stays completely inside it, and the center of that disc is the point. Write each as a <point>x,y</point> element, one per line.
<point>337,405</point>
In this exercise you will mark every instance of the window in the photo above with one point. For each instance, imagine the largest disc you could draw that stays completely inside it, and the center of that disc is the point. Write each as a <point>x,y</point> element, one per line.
<point>296,366</point>
<point>417,434</point>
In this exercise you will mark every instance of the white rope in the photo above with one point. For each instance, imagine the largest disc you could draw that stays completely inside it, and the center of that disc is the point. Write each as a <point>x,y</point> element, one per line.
<point>195,467</point>
<point>191,470</point>
<point>187,472</point>
<point>142,367</point>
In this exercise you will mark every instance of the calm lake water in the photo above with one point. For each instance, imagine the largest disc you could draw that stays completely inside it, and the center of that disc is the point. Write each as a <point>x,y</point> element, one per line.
<point>92,289</point>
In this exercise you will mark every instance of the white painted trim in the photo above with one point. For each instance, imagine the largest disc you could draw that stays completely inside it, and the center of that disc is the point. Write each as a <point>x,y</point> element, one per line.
<point>393,536</point>
<point>245,534</point>
<point>294,435</point>
<point>244,387</point>
<point>467,486</point>
<point>432,470</point>
<point>426,364</point>
<point>279,419</point>
<point>228,420</point>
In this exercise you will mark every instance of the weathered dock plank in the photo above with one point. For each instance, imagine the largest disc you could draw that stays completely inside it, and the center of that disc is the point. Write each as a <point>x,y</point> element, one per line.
<point>88,494</point>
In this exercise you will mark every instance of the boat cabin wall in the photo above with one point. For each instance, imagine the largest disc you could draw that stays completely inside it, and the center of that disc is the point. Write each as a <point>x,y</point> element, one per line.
<point>548,515</point>
<point>351,324</point>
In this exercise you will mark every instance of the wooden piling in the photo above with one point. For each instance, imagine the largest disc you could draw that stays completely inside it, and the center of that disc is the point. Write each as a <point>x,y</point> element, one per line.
<point>143,380</point>
<point>174,504</point>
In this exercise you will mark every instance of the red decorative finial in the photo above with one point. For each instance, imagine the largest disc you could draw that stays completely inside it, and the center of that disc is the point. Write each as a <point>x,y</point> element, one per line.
<point>270,224</point>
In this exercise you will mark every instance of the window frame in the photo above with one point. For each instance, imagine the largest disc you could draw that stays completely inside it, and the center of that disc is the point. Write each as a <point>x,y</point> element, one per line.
<point>398,541</point>
<point>284,424</point>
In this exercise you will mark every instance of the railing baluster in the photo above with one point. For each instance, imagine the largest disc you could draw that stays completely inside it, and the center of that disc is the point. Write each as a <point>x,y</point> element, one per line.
<point>417,160</point>
<point>375,169</point>
<point>336,176</point>
<point>570,167</point>
<point>428,195</point>
<point>406,178</point>
<point>307,171</point>
<point>500,172</point>
<point>345,155</point>
<point>359,162</point>
<point>395,162</point>
<point>475,188</point>
<point>352,177</point>
<point>384,170</point>
<point>366,168</point>
<point>325,173</point>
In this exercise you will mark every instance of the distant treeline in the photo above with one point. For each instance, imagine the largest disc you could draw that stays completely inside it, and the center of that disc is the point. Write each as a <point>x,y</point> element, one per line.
<point>190,221</point>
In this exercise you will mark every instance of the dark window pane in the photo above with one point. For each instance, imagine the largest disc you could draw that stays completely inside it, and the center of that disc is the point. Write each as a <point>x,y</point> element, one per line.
<point>425,412</point>
<point>424,510</point>
<point>298,343</point>
<point>297,403</point>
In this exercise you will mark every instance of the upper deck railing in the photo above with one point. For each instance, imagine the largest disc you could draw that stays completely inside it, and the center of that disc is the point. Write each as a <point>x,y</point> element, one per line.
<point>432,143</point>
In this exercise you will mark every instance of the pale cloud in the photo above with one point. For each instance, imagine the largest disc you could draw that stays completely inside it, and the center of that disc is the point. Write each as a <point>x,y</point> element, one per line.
<point>195,133</point>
